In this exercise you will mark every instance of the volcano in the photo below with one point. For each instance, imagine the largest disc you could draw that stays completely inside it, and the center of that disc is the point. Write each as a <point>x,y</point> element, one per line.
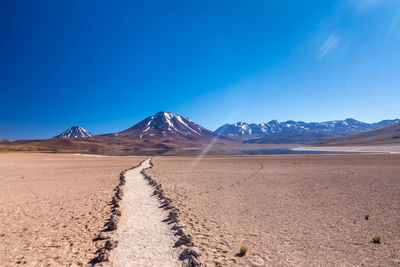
<point>74,132</point>
<point>167,125</point>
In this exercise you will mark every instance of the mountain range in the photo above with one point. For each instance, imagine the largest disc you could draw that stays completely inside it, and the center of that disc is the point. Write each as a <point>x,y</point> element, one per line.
<point>384,135</point>
<point>165,131</point>
<point>3,140</point>
<point>296,131</point>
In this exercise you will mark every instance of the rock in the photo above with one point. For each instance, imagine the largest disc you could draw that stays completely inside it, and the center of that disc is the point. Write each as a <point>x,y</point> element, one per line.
<point>104,255</point>
<point>161,195</point>
<point>110,244</point>
<point>115,200</point>
<point>193,262</point>
<point>113,222</point>
<point>167,201</point>
<point>102,236</point>
<point>191,251</point>
<point>119,189</point>
<point>119,195</point>
<point>169,207</point>
<point>181,231</point>
<point>112,225</point>
<point>158,190</point>
<point>185,239</point>
<point>114,217</point>
<point>173,215</point>
<point>178,225</point>
<point>117,212</point>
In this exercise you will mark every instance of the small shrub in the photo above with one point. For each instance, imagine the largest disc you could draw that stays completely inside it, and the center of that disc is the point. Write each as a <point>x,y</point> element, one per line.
<point>243,250</point>
<point>376,239</point>
<point>366,217</point>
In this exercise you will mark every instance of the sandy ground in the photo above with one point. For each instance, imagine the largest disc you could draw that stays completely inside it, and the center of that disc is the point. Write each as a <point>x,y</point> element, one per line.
<point>53,205</point>
<point>144,239</point>
<point>392,149</point>
<point>289,210</point>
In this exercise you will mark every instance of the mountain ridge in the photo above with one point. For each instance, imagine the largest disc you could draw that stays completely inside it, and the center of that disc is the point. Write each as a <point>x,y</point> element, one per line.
<point>3,140</point>
<point>165,131</point>
<point>296,131</point>
<point>383,135</point>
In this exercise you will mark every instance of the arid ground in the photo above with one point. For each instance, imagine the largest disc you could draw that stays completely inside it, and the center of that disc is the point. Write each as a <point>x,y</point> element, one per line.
<point>288,210</point>
<point>306,210</point>
<point>53,205</point>
<point>393,148</point>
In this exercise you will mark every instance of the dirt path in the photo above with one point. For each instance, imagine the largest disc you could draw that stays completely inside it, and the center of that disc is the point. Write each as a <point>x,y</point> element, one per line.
<point>144,240</point>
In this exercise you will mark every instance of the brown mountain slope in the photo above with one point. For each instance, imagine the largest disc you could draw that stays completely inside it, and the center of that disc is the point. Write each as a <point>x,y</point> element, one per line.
<point>385,135</point>
<point>50,145</point>
<point>117,145</point>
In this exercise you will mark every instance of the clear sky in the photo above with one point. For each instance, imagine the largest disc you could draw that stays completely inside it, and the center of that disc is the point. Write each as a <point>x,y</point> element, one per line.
<point>106,65</point>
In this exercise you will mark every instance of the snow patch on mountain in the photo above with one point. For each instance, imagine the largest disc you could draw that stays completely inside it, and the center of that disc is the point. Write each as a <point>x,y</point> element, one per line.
<point>167,124</point>
<point>74,132</point>
<point>3,140</point>
<point>274,127</point>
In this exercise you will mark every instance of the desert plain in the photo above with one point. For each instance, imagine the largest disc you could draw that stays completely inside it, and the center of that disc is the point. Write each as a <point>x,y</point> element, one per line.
<point>289,210</point>
<point>54,205</point>
<point>302,210</point>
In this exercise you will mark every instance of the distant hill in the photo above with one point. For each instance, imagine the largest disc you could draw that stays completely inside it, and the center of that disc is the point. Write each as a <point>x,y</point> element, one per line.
<point>385,135</point>
<point>275,132</point>
<point>74,132</point>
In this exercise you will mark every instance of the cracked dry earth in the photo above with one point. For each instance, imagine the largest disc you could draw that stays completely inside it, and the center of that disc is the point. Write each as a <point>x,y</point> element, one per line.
<point>302,210</point>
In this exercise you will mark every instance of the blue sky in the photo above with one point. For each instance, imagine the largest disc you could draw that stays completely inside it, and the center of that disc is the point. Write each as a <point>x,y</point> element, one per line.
<point>106,65</point>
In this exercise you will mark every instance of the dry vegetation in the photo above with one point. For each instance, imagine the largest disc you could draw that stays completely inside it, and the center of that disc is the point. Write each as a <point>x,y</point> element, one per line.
<point>288,210</point>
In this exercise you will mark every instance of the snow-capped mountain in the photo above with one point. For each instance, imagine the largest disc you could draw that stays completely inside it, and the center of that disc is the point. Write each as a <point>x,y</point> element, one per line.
<point>383,135</point>
<point>74,132</point>
<point>3,140</point>
<point>166,124</point>
<point>313,130</point>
